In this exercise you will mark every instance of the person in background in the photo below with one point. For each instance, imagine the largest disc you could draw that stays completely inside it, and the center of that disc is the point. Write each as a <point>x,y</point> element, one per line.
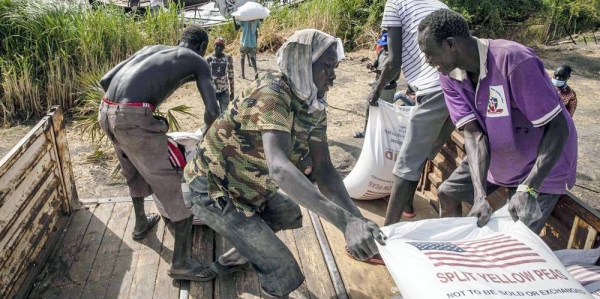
<point>387,94</point>
<point>248,43</point>
<point>378,46</point>
<point>517,131</point>
<point>253,149</point>
<point>429,126</point>
<point>133,89</point>
<point>221,68</point>
<point>408,97</point>
<point>565,92</point>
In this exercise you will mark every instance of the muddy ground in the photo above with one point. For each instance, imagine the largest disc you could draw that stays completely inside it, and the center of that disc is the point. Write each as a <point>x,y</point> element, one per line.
<point>346,115</point>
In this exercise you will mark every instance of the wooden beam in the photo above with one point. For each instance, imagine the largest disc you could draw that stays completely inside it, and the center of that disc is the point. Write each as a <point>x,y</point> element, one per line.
<point>120,282</point>
<point>334,273</point>
<point>203,245</point>
<point>100,200</point>
<point>64,157</point>
<point>62,258</point>
<point>311,260</point>
<point>591,238</point>
<point>146,271</point>
<point>573,232</point>
<point>102,270</point>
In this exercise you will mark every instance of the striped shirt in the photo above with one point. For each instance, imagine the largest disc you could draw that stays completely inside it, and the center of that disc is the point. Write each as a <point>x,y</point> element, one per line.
<point>408,14</point>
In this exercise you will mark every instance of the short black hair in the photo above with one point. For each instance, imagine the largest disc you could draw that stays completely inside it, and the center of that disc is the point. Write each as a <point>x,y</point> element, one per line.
<point>565,68</point>
<point>195,35</point>
<point>444,23</point>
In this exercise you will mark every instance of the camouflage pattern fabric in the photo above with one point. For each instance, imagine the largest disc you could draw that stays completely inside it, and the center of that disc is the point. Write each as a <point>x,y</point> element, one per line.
<point>232,153</point>
<point>221,69</point>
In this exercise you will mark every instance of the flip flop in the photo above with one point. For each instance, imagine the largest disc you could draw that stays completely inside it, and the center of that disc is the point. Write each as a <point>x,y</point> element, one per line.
<point>195,276</point>
<point>375,260</point>
<point>153,219</point>
<point>409,215</point>
<point>359,135</point>
<point>224,270</point>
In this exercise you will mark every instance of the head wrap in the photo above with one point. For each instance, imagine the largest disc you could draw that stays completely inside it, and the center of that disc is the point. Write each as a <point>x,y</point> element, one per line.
<point>220,40</point>
<point>295,59</point>
<point>383,40</point>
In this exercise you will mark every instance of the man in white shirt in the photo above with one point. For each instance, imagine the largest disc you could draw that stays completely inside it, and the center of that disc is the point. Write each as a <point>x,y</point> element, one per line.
<point>430,126</point>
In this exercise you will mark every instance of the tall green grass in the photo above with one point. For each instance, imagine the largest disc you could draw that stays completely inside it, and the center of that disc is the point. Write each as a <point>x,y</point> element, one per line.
<point>47,47</point>
<point>350,20</point>
<point>356,22</point>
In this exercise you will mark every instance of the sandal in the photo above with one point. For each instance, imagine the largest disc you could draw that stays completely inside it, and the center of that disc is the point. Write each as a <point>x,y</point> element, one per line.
<point>360,134</point>
<point>409,215</point>
<point>153,219</point>
<point>375,260</point>
<point>205,274</point>
<point>224,270</point>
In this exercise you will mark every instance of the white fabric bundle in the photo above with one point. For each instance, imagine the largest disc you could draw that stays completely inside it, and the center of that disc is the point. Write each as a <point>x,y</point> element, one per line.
<point>188,140</point>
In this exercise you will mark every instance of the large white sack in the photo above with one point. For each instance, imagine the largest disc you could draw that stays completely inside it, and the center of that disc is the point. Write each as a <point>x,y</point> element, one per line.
<point>226,7</point>
<point>372,177</point>
<point>251,11</point>
<point>588,276</point>
<point>581,264</point>
<point>453,258</point>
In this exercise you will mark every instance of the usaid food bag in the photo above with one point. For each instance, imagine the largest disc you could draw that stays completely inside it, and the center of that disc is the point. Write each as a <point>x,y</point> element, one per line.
<point>453,258</point>
<point>581,264</point>
<point>251,11</point>
<point>372,177</point>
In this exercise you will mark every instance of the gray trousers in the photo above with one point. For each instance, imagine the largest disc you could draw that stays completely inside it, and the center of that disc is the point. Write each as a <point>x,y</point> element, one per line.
<point>427,131</point>
<point>223,100</point>
<point>459,187</point>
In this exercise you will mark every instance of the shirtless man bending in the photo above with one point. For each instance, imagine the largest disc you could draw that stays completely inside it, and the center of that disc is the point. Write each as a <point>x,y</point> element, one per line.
<point>133,89</point>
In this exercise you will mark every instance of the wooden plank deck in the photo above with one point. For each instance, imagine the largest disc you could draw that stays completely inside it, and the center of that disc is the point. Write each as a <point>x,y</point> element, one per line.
<point>97,258</point>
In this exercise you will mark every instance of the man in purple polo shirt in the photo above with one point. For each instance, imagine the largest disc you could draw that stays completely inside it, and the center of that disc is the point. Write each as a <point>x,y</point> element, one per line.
<point>517,131</point>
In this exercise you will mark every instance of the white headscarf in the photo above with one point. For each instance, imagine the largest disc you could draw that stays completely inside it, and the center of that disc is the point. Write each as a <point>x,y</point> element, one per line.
<point>295,59</point>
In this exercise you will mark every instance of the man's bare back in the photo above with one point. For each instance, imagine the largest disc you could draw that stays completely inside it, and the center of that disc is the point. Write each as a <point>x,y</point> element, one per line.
<point>153,73</point>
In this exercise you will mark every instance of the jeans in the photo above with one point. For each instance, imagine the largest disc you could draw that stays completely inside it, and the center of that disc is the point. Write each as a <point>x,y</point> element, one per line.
<point>254,237</point>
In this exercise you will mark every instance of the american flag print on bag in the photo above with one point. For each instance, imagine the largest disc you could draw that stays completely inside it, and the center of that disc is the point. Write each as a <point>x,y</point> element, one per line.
<point>497,251</point>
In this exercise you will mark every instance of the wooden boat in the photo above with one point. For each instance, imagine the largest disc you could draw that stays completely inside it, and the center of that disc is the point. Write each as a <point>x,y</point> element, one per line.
<point>54,245</point>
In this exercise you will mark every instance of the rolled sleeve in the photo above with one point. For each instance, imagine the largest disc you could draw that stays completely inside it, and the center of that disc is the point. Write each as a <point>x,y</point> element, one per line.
<point>460,111</point>
<point>391,15</point>
<point>533,92</point>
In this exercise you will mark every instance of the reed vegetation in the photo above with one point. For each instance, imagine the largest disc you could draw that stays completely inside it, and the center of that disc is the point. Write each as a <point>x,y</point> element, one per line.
<point>50,52</point>
<point>48,47</point>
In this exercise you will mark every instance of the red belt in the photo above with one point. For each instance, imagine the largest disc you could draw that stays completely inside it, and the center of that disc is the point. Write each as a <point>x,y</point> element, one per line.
<point>147,105</point>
